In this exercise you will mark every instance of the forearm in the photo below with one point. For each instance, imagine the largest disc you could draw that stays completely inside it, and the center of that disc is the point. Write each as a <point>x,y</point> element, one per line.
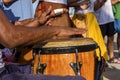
<point>12,36</point>
<point>98,4</point>
<point>72,3</point>
<point>114,1</point>
<point>42,18</point>
<point>33,1</point>
<point>23,36</point>
<point>28,22</point>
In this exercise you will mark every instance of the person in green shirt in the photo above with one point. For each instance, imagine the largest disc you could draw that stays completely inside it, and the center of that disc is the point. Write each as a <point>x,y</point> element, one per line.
<point>116,11</point>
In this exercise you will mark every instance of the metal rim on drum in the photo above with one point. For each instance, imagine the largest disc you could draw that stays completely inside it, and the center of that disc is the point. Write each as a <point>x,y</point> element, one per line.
<point>63,50</point>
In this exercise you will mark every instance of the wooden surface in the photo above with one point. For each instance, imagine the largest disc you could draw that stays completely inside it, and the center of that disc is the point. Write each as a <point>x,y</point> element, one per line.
<point>58,64</point>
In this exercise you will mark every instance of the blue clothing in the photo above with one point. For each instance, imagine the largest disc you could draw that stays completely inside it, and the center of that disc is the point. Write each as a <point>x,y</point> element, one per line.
<point>35,6</point>
<point>1,3</point>
<point>117,25</point>
<point>18,10</point>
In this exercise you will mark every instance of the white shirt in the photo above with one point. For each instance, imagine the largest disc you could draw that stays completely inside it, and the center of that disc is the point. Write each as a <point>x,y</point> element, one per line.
<point>104,14</point>
<point>56,1</point>
<point>1,60</point>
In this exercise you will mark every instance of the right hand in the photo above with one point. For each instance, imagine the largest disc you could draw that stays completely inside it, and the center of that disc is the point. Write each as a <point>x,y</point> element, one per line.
<point>68,32</point>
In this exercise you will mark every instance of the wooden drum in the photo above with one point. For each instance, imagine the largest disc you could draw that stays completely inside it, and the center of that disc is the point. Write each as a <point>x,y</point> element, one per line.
<point>74,56</point>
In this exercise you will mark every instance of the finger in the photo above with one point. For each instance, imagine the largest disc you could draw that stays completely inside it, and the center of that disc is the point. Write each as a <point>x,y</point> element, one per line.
<point>39,13</point>
<point>49,10</point>
<point>80,30</point>
<point>48,17</point>
<point>48,24</point>
<point>17,23</point>
<point>65,10</point>
<point>49,21</point>
<point>71,31</point>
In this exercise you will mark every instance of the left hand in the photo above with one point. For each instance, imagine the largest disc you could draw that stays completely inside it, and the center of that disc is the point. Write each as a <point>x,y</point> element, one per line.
<point>45,17</point>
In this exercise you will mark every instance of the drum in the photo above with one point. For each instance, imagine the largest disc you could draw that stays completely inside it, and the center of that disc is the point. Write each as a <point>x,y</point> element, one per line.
<point>74,56</point>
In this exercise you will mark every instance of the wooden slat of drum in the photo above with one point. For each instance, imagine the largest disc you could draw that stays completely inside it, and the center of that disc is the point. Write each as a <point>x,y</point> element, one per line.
<point>88,69</point>
<point>26,56</point>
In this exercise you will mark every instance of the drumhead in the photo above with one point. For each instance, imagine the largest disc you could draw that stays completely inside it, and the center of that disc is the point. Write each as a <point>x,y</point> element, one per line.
<point>67,45</point>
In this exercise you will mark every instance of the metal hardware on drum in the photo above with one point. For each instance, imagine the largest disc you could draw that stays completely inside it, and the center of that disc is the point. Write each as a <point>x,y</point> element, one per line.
<point>32,64</point>
<point>76,66</point>
<point>41,67</point>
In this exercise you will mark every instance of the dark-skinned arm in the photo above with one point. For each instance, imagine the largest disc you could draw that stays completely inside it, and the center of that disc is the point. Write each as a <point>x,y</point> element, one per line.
<point>98,4</point>
<point>33,1</point>
<point>37,21</point>
<point>72,3</point>
<point>12,36</point>
<point>115,1</point>
<point>42,19</point>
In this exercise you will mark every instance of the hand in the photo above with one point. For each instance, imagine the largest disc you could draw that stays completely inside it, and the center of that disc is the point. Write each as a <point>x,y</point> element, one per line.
<point>68,32</point>
<point>43,17</point>
<point>56,13</point>
<point>84,6</point>
<point>46,16</point>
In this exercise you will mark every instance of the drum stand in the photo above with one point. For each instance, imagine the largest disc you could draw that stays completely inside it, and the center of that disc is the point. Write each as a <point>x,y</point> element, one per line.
<point>76,66</point>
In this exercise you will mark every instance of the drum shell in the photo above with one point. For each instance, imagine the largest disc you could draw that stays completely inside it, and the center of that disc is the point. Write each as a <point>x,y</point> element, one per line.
<point>59,64</point>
